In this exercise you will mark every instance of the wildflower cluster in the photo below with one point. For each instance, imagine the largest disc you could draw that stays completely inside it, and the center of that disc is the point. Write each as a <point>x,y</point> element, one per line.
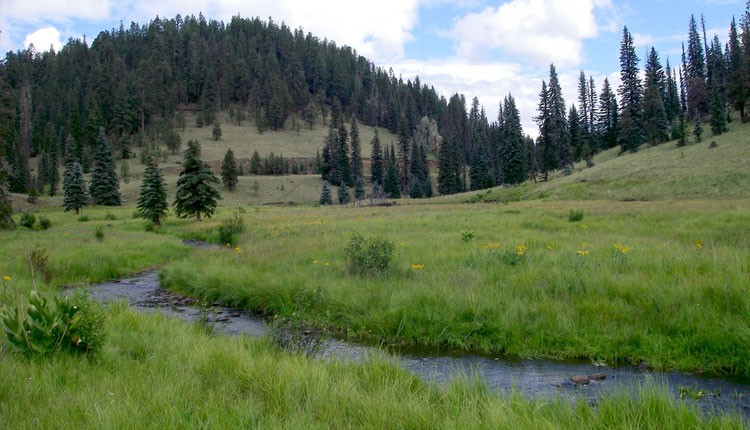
<point>417,266</point>
<point>583,250</point>
<point>699,244</point>
<point>622,249</point>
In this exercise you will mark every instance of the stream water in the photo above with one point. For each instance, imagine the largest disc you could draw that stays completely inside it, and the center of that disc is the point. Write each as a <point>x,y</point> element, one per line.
<point>536,378</point>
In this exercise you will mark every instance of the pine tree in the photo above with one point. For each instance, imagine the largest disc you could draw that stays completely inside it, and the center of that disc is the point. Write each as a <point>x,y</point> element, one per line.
<point>343,195</point>
<point>631,92</point>
<point>655,122</point>
<point>356,148</point>
<point>739,76</point>
<point>608,119</point>
<point>152,201</point>
<point>697,129</point>
<point>359,188</point>
<point>325,195</point>
<point>449,180</point>
<point>513,148</point>
<point>216,131</point>
<point>391,186</point>
<point>74,188</point>
<point>576,131</point>
<point>255,168</point>
<point>697,89</point>
<point>376,160</point>
<point>546,159</point>
<point>195,196</point>
<point>559,132</point>
<point>6,208</point>
<point>229,170</point>
<point>104,188</point>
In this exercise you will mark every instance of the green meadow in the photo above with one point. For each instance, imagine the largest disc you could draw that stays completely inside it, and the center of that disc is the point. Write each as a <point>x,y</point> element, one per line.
<point>642,258</point>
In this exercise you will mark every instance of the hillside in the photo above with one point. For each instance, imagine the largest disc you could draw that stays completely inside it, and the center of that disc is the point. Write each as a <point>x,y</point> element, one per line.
<point>663,172</point>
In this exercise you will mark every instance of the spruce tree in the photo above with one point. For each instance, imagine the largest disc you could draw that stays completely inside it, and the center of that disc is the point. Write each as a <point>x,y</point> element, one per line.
<point>152,201</point>
<point>655,122</point>
<point>630,134</point>
<point>325,195</point>
<point>356,149</point>
<point>359,188</point>
<point>216,131</point>
<point>344,168</point>
<point>449,181</point>
<point>195,196</point>
<point>229,170</point>
<point>104,188</point>
<point>6,208</point>
<point>739,76</point>
<point>608,119</point>
<point>513,148</point>
<point>255,168</point>
<point>559,132</point>
<point>391,186</point>
<point>74,188</point>
<point>697,129</point>
<point>376,160</point>
<point>343,195</point>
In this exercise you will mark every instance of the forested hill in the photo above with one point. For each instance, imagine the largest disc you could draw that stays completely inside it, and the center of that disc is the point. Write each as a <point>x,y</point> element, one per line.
<point>129,80</point>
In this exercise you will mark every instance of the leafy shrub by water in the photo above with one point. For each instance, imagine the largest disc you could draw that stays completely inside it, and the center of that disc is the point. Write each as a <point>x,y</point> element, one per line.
<point>27,220</point>
<point>369,256</point>
<point>50,323</point>
<point>230,230</point>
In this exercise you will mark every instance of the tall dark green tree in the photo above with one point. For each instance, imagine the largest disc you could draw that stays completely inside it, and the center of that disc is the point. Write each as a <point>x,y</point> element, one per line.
<point>739,76</point>
<point>607,123</point>
<point>695,72</point>
<point>152,200</point>
<point>356,149</point>
<point>391,186</point>
<point>717,87</point>
<point>376,160</point>
<point>343,195</point>
<point>325,195</point>
<point>630,135</point>
<point>655,124</point>
<point>513,147</point>
<point>450,166</point>
<point>104,188</point>
<point>75,196</point>
<point>576,127</point>
<point>216,131</point>
<point>6,208</point>
<point>196,195</point>
<point>229,170</point>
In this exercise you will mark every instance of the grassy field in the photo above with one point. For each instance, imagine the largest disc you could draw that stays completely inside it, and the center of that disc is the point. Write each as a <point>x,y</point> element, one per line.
<point>631,260</point>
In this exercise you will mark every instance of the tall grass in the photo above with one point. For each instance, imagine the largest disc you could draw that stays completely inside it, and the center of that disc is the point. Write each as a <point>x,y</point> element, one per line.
<point>660,282</point>
<point>159,373</point>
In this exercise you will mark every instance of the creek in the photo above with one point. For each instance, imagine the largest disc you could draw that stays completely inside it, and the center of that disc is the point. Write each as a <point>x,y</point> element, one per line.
<point>577,380</point>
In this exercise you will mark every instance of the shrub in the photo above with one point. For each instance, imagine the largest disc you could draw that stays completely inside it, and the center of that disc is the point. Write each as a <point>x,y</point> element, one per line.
<point>44,222</point>
<point>27,220</point>
<point>83,218</point>
<point>230,230</point>
<point>575,215</point>
<point>99,233</point>
<point>50,323</point>
<point>37,259</point>
<point>371,256</point>
<point>110,216</point>
<point>467,236</point>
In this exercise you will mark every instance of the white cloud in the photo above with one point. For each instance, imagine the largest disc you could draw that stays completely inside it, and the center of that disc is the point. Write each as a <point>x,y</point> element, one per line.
<point>43,39</point>
<point>540,31</point>
<point>55,11</point>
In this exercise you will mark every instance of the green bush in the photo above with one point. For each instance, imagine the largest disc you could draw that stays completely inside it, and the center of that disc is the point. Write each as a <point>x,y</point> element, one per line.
<point>50,323</point>
<point>83,218</point>
<point>27,220</point>
<point>110,216</point>
<point>230,230</point>
<point>575,215</point>
<point>44,222</point>
<point>99,233</point>
<point>369,256</point>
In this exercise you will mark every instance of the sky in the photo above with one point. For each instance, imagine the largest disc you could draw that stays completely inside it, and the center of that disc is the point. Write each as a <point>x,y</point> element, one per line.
<point>478,48</point>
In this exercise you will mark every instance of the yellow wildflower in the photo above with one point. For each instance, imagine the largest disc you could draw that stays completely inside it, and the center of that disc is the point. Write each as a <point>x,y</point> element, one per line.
<point>417,266</point>
<point>492,246</point>
<point>584,244</point>
<point>582,252</point>
<point>520,249</point>
<point>549,248</point>
<point>315,262</point>
<point>6,278</point>
<point>238,250</point>
<point>699,244</point>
